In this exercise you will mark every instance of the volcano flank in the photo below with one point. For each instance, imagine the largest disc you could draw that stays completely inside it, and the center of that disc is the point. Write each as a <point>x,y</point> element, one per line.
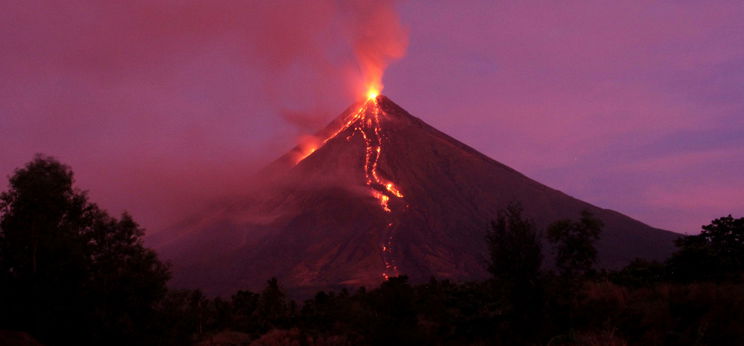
<point>380,193</point>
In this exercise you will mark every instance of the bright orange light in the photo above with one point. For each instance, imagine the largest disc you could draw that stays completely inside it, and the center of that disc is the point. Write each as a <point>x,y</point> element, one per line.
<point>373,93</point>
<point>307,153</point>
<point>383,199</point>
<point>390,187</point>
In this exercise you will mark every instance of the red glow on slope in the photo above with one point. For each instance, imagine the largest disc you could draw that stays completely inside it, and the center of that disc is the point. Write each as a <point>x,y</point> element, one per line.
<point>306,152</point>
<point>307,145</point>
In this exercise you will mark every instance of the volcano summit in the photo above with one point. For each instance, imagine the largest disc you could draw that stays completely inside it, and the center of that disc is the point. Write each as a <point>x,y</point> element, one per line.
<point>380,193</point>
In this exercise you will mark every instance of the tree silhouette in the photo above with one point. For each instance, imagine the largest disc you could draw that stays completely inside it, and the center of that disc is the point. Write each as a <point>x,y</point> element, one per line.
<point>69,271</point>
<point>576,254</point>
<point>639,273</point>
<point>717,253</point>
<point>515,260</point>
<point>515,254</point>
<point>272,309</point>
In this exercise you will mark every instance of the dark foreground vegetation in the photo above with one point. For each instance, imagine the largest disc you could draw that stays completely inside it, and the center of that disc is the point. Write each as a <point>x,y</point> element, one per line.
<point>72,274</point>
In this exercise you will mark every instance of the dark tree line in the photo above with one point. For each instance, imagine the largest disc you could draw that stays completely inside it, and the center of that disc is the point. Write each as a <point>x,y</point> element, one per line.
<point>578,304</point>
<point>72,274</point>
<point>69,272</point>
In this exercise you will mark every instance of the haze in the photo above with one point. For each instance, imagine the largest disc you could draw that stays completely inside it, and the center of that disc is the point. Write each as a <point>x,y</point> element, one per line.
<point>161,106</point>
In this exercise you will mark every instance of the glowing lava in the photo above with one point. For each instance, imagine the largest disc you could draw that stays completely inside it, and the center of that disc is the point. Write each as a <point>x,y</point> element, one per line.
<point>305,153</point>
<point>369,127</point>
<point>366,122</point>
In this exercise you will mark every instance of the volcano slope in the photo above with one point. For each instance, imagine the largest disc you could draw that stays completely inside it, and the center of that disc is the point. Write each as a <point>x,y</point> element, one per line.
<point>383,194</point>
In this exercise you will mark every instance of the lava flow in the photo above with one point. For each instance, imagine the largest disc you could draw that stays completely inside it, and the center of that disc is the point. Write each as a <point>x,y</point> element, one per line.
<point>366,122</point>
<point>369,128</point>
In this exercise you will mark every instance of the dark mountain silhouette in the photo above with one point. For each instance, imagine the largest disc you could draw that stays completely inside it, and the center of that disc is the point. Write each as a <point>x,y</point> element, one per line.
<point>383,194</point>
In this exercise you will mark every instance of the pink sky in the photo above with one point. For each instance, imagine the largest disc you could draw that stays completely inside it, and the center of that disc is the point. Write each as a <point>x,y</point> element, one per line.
<point>160,105</point>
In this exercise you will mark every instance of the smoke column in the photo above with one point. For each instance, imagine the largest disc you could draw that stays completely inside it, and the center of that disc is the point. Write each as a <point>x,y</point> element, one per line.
<point>161,106</point>
<point>378,39</point>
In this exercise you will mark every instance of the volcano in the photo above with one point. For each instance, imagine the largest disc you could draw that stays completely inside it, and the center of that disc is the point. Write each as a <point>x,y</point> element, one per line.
<point>379,193</point>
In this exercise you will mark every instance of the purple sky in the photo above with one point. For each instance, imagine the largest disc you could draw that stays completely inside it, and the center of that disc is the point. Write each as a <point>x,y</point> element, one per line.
<point>160,105</point>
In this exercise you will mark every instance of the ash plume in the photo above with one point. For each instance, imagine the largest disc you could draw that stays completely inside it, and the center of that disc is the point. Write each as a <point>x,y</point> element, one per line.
<point>161,106</point>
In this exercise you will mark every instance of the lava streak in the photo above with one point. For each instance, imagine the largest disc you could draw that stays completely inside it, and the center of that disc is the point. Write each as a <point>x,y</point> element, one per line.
<point>368,125</point>
<point>369,128</point>
<point>366,122</point>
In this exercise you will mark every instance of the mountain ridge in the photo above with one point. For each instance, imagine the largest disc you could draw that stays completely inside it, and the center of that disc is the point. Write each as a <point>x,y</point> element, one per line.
<point>333,218</point>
